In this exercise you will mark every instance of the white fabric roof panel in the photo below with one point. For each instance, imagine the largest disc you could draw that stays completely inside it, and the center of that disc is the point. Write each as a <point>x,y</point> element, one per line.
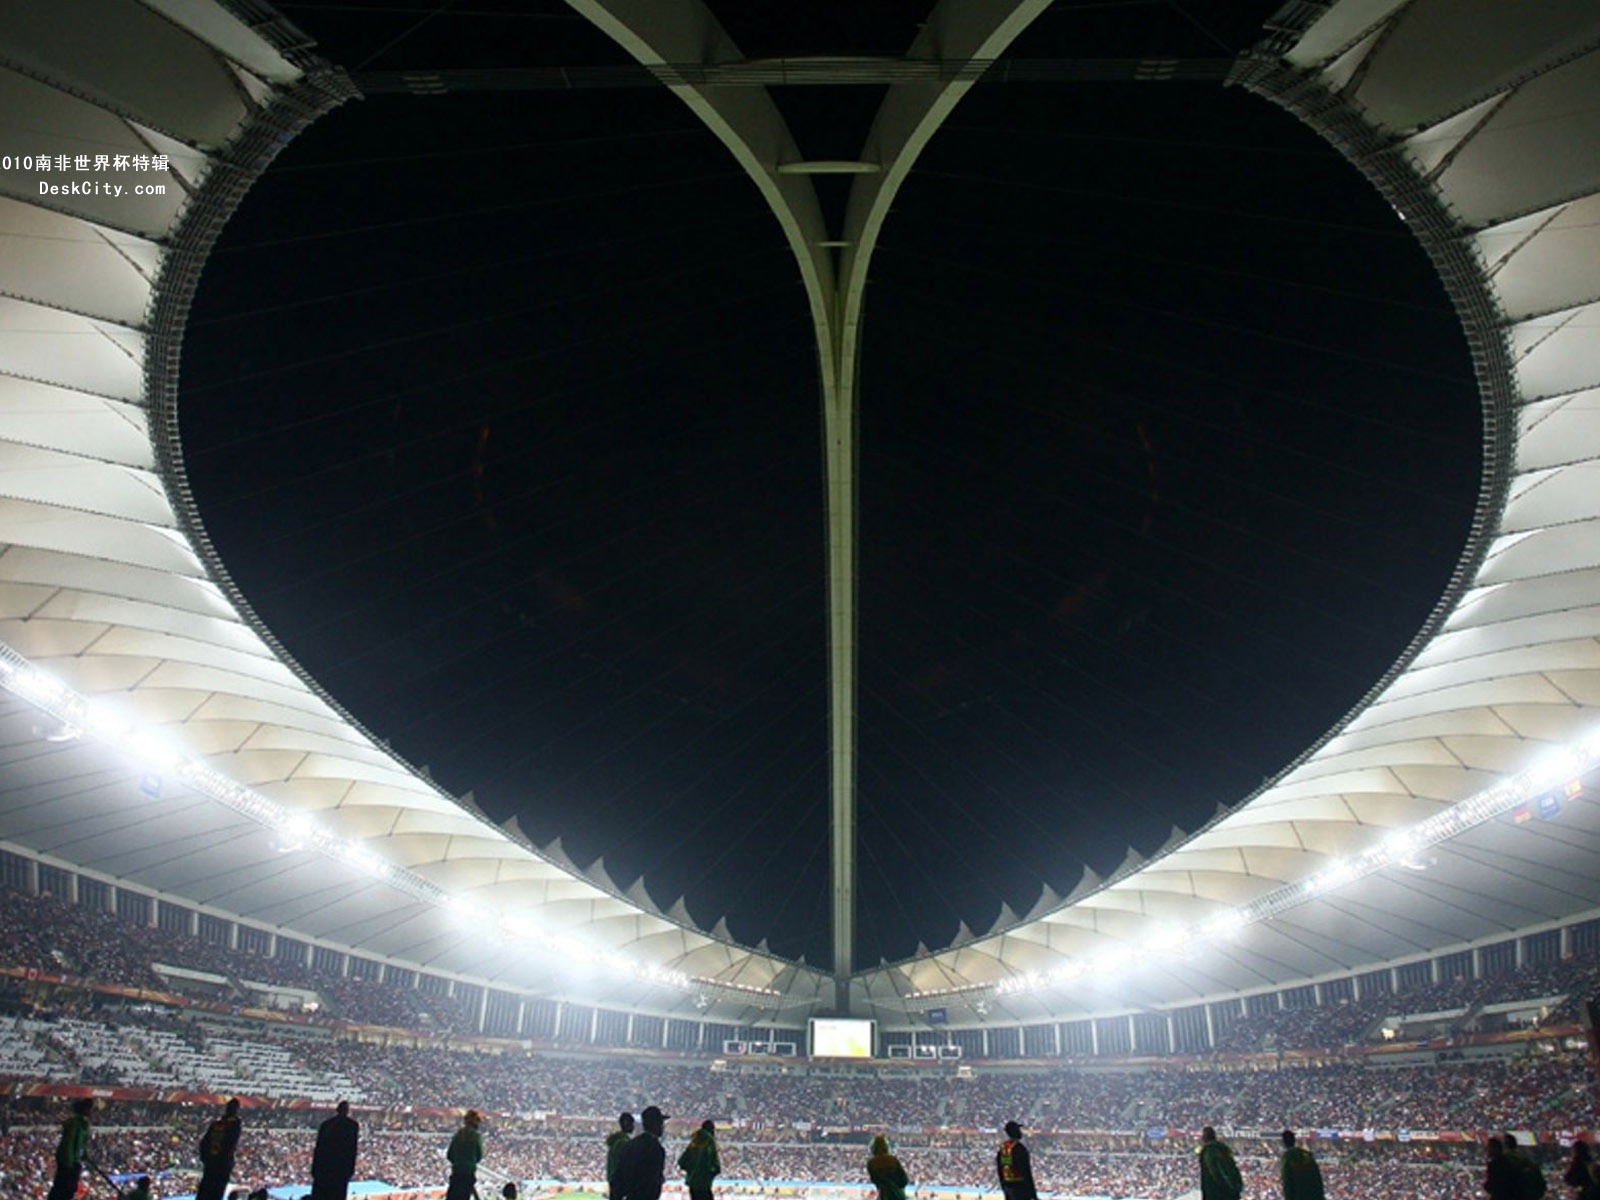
<point>189,97</point>
<point>1552,272</point>
<point>43,119</point>
<point>1440,56</point>
<point>105,583</point>
<point>57,261</point>
<point>1560,431</point>
<point>37,414</point>
<point>101,584</point>
<point>46,344</point>
<point>1490,113</point>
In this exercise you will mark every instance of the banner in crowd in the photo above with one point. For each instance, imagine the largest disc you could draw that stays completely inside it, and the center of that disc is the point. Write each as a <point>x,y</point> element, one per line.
<point>1549,1137</point>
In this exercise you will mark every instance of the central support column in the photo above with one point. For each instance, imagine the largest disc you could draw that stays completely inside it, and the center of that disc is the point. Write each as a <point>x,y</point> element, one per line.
<point>839,444</point>
<point>659,33</point>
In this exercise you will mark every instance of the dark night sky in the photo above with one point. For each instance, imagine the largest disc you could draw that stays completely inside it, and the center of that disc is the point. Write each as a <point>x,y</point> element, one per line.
<point>502,410</point>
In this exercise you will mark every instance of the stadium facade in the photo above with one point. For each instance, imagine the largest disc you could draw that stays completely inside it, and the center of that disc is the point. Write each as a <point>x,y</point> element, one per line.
<point>156,740</point>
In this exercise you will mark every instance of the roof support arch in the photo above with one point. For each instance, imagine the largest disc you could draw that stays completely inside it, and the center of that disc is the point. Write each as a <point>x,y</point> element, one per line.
<point>661,32</point>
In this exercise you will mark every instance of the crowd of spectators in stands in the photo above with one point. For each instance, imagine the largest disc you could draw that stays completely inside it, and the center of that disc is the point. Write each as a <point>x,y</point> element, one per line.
<point>1549,1090</point>
<point>51,935</point>
<point>550,1109</point>
<point>408,1153</point>
<point>1349,1022</point>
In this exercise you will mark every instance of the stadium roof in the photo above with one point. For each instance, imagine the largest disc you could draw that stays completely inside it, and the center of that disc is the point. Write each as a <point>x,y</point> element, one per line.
<point>253,793</point>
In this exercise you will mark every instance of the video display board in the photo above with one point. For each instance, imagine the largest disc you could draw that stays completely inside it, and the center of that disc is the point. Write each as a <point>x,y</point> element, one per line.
<point>839,1037</point>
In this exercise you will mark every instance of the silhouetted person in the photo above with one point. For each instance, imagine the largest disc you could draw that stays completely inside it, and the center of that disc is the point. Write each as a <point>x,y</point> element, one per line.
<point>70,1151</point>
<point>615,1141</point>
<point>1581,1173</point>
<point>1499,1173</point>
<point>642,1165</point>
<point>699,1162</point>
<point>333,1162</point>
<point>1219,1174</point>
<point>1014,1165</point>
<point>465,1153</point>
<point>886,1172</point>
<point>1298,1171</point>
<point>1530,1178</point>
<point>218,1144</point>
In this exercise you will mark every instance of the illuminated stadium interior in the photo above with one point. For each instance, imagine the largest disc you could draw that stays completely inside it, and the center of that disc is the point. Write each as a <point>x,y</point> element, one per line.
<point>218,879</point>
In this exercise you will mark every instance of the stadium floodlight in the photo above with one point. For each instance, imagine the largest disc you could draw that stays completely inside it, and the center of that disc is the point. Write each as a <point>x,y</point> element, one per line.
<point>518,926</point>
<point>359,857</point>
<point>1068,971</point>
<point>1336,875</point>
<point>108,726</point>
<point>1107,965</point>
<point>1554,768</point>
<point>1224,925</point>
<point>1165,939</point>
<point>465,910</point>
<point>153,751</point>
<point>293,831</point>
<point>35,686</point>
<point>1398,847</point>
<point>1561,765</point>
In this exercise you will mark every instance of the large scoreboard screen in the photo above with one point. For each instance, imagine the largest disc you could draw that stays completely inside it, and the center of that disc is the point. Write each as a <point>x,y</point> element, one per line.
<point>837,1037</point>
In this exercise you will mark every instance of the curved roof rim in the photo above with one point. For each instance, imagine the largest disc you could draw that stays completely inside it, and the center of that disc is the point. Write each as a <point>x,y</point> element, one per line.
<point>1314,97</point>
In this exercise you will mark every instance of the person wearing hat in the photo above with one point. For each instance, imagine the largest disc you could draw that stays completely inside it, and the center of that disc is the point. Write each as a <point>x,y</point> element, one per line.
<point>885,1171</point>
<point>642,1165</point>
<point>1015,1166</point>
<point>615,1141</point>
<point>699,1162</point>
<point>465,1153</point>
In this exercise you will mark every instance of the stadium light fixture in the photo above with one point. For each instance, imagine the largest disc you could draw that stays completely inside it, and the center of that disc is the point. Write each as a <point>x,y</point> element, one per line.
<point>1165,939</point>
<point>1224,926</point>
<point>1561,767</point>
<point>294,831</point>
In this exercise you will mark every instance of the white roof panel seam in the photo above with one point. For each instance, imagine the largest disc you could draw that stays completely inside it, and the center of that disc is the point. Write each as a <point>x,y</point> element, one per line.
<point>103,102</point>
<point>100,318</point>
<point>72,388</point>
<point>142,235</point>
